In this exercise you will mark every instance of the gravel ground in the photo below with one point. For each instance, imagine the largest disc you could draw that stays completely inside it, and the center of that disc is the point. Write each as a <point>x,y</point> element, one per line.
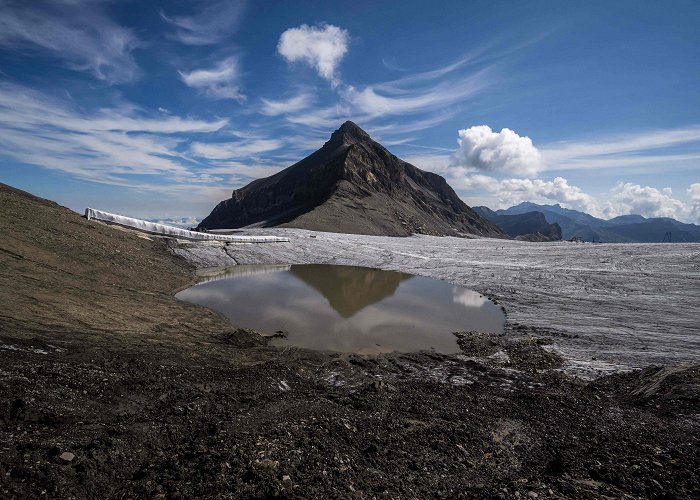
<point>112,388</point>
<point>608,306</point>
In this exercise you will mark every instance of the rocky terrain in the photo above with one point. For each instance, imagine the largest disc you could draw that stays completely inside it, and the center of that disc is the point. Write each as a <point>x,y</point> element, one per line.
<point>111,388</point>
<point>352,185</point>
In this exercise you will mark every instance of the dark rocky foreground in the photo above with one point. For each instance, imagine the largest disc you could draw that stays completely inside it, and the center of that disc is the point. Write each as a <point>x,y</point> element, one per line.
<point>109,387</point>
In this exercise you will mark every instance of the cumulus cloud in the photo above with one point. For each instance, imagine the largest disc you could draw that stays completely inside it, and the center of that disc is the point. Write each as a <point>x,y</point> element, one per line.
<point>218,82</point>
<point>321,47</point>
<point>79,34</point>
<point>694,193</point>
<point>510,192</point>
<point>504,152</point>
<point>628,198</point>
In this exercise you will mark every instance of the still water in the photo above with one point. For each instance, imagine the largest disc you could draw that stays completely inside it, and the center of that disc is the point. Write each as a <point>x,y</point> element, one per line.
<point>347,309</point>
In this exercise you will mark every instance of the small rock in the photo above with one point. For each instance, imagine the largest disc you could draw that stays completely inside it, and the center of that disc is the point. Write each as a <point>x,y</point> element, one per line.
<point>67,456</point>
<point>532,494</point>
<point>286,478</point>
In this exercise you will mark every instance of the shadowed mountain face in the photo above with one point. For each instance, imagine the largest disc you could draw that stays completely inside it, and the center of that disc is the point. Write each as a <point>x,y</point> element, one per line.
<point>352,185</point>
<point>350,289</point>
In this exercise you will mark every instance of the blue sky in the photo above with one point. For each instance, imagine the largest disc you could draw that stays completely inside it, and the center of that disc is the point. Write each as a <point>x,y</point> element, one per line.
<point>160,109</point>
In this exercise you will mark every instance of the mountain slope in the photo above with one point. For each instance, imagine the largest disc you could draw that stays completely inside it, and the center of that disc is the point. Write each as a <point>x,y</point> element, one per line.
<point>352,185</point>
<point>529,226</point>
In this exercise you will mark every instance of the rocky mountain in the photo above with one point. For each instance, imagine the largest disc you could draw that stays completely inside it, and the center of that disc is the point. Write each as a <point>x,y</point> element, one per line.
<point>623,229</point>
<point>352,185</point>
<point>528,226</point>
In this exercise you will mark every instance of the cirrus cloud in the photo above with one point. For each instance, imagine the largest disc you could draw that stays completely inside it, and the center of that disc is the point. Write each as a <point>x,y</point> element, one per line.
<point>504,152</point>
<point>219,81</point>
<point>321,47</point>
<point>79,34</point>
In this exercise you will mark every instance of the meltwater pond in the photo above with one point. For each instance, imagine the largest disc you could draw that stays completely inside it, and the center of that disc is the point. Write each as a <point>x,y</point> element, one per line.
<point>347,309</point>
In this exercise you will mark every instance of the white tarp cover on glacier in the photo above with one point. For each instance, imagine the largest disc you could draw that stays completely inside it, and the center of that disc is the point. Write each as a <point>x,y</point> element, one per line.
<point>175,232</point>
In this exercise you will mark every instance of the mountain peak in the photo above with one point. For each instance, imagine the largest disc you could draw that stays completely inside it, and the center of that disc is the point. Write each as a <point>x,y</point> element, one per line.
<point>350,133</point>
<point>352,185</point>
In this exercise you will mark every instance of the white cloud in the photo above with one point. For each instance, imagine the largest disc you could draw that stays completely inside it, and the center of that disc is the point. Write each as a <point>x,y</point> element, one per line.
<point>215,22</point>
<point>482,149</point>
<point>628,198</point>
<point>624,151</point>
<point>229,150</point>
<point>400,98</point>
<point>121,146</point>
<point>321,47</point>
<point>78,33</point>
<point>219,81</point>
<point>509,192</point>
<point>505,152</point>
<point>322,119</point>
<point>623,199</point>
<point>694,193</point>
<point>271,107</point>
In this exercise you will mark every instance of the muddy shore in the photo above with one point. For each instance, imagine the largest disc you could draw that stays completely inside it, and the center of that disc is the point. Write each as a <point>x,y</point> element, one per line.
<point>110,387</point>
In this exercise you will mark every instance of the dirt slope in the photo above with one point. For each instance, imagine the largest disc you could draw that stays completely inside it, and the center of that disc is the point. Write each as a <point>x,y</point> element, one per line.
<point>61,274</point>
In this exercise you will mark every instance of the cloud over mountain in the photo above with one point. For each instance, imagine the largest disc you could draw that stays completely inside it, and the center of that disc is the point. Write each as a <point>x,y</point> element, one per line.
<point>503,152</point>
<point>629,198</point>
<point>321,47</point>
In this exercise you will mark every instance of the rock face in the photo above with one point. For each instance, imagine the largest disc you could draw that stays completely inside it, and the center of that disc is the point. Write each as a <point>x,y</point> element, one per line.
<point>352,185</point>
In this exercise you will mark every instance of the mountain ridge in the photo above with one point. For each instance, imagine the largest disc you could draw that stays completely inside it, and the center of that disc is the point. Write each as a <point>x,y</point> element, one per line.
<point>632,228</point>
<point>527,226</point>
<point>352,184</point>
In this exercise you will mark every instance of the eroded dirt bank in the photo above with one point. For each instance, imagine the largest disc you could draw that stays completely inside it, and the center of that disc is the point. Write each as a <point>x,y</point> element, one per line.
<point>109,387</point>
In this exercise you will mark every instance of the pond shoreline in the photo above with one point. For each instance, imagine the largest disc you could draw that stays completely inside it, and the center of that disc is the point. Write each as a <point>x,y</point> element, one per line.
<point>607,307</point>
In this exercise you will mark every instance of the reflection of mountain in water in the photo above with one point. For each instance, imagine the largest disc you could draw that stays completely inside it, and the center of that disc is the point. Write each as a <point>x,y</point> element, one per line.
<point>240,270</point>
<point>350,289</point>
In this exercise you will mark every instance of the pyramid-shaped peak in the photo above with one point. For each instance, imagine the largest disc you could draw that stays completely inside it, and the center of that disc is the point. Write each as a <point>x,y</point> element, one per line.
<point>350,132</point>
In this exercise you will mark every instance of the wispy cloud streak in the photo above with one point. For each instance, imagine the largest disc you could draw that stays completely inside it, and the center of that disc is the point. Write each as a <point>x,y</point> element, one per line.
<point>212,24</point>
<point>77,33</point>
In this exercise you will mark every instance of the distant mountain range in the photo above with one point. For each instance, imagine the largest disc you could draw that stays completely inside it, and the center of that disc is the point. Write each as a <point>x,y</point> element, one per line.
<point>352,185</point>
<point>528,226</point>
<point>622,229</point>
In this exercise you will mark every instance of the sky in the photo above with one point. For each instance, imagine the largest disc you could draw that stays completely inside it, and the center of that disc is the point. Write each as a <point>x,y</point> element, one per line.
<point>160,109</point>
